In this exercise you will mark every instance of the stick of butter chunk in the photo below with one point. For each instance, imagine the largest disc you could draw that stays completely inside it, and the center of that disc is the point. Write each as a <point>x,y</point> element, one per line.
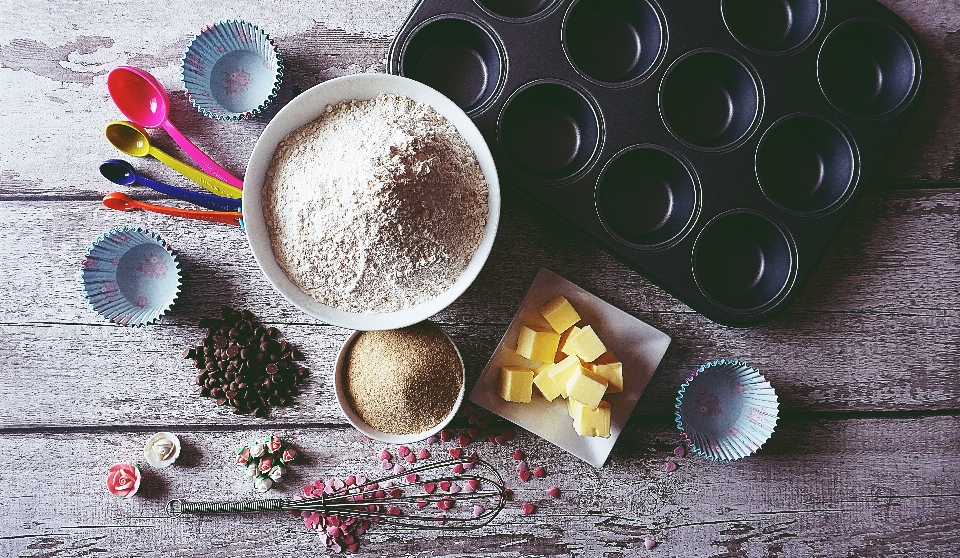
<point>590,422</point>
<point>516,384</point>
<point>560,314</point>
<point>586,344</point>
<point>561,372</point>
<point>543,381</point>
<point>608,367</point>
<point>586,388</point>
<point>537,345</point>
<point>564,350</point>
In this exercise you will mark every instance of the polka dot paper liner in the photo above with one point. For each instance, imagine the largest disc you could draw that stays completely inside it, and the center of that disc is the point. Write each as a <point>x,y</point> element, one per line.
<point>231,70</point>
<point>726,410</point>
<point>130,276</point>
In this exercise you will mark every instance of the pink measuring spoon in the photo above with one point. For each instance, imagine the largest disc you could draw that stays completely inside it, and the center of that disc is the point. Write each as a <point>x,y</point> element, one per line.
<point>142,99</point>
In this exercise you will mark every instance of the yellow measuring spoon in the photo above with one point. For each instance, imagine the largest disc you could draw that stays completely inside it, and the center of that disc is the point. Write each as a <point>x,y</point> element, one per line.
<point>134,141</point>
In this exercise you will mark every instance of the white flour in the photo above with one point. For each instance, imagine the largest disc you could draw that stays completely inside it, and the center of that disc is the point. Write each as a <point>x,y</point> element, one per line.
<point>376,206</point>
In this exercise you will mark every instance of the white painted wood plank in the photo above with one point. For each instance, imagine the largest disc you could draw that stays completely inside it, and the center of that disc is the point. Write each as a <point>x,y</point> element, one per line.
<point>819,488</point>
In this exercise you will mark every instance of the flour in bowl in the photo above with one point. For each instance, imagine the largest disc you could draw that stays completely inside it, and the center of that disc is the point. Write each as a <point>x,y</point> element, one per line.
<point>376,206</point>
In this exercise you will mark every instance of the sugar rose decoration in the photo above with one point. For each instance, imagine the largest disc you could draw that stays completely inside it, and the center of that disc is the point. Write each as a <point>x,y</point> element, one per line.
<point>123,480</point>
<point>266,462</point>
<point>162,449</point>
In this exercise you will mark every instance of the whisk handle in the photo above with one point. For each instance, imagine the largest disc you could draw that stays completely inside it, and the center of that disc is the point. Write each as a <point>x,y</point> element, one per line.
<point>180,507</point>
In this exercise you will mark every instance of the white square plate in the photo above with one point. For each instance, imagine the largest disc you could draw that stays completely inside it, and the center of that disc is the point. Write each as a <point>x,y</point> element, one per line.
<point>639,347</point>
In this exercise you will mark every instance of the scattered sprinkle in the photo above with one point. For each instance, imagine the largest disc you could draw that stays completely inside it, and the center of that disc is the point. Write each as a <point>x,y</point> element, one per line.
<point>518,455</point>
<point>398,469</point>
<point>464,440</point>
<point>412,477</point>
<point>433,439</point>
<point>385,465</point>
<point>458,468</point>
<point>680,451</point>
<point>528,508</point>
<point>478,511</point>
<point>539,472</point>
<point>444,485</point>
<point>403,451</point>
<point>522,466</point>
<point>456,453</point>
<point>410,458</point>
<point>525,476</point>
<point>649,543</point>
<point>424,454</point>
<point>671,466</point>
<point>444,436</point>
<point>554,492</point>
<point>385,455</point>
<point>429,487</point>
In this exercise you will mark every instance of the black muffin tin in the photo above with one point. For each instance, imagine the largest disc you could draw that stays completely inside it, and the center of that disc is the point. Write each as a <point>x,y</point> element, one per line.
<point>714,146</point>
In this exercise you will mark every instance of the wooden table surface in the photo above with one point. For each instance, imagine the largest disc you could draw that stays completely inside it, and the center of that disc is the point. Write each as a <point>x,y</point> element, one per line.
<point>865,460</point>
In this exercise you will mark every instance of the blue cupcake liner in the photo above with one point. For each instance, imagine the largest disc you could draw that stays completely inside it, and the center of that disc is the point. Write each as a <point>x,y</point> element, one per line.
<point>130,276</point>
<point>726,410</point>
<point>231,70</point>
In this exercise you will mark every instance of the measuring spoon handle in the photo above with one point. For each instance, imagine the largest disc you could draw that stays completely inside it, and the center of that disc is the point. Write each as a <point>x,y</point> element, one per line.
<point>228,217</point>
<point>216,186</point>
<point>210,201</point>
<point>199,157</point>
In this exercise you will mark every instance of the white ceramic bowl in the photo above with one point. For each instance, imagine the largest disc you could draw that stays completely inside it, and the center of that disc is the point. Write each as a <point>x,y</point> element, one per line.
<point>307,107</point>
<point>358,423</point>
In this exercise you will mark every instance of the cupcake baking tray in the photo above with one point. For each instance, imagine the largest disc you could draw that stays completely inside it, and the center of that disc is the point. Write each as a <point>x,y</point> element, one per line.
<point>713,146</point>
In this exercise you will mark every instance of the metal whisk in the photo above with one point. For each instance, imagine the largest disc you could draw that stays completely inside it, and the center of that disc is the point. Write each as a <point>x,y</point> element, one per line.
<point>393,499</point>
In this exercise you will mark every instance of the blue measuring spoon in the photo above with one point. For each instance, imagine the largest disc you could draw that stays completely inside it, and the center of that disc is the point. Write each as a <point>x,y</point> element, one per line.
<point>122,173</point>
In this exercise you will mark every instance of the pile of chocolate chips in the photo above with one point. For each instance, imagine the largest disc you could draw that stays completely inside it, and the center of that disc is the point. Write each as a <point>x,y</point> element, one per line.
<point>244,365</point>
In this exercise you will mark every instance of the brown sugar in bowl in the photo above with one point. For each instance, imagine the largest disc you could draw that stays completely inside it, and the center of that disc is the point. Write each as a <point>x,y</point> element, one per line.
<point>400,386</point>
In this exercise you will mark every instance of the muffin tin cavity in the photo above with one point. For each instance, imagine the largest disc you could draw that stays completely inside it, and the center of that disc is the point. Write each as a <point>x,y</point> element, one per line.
<point>457,57</point>
<point>867,68</point>
<point>772,26</point>
<point>743,261</point>
<point>613,41</point>
<point>710,100</point>
<point>516,9</point>
<point>549,131</point>
<point>806,164</point>
<point>647,197</point>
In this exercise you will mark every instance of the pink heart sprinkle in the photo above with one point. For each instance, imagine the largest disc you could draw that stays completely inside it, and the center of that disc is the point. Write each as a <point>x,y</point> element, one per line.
<point>361,479</point>
<point>410,458</point>
<point>381,494</point>
<point>454,488</point>
<point>492,438</point>
<point>396,493</point>
<point>385,455</point>
<point>338,484</point>
<point>554,492</point>
<point>421,503</point>
<point>458,468</point>
<point>680,451</point>
<point>467,489</point>
<point>424,454</point>
<point>522,466</point>
<point>353,547</point>
<point>444,485</point>
<point>403,451</point>
<point>385,465</point>
<point>518,455</point>
<point>393,510</point>
<point>412,477</point>
<point>351,480</point>
<point>473,483</point>
<point>539,472</point>
<point>525,476</point>
<point>336,547</point>
<point>671,466</point>
<point>429,487</point>
<point>649,543</point>
<point>508,434</point>
<point>468,465</point>
<point>444,436</point>
<point>528,508</point>
<point>456,453</point>
<point>477,511</point>
<point>398,469</point>
<point>500,440</point>
<point>308,490</point>
<point>464,441</point>
<point>473,432</point>
<point>433,439</point>
<point>443,505</point>
<point>319,483</point>
<point>387,484</point>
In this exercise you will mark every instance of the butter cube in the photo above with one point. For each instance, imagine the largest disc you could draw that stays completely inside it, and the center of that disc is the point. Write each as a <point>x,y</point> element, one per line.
<point>586,344</point>
<point>516,384</point>
<point>591,422</point>
<point>564,349</point>
<point>562,371</point>
<point>543,381</point>
<point>537,345</point>
<point>607,366</point>
<point>586,387</point>
<point>560,314</point>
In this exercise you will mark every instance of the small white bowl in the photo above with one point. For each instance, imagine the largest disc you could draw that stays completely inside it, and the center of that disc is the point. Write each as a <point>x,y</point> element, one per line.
<point>307,107</point>
<point>359,424</point>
